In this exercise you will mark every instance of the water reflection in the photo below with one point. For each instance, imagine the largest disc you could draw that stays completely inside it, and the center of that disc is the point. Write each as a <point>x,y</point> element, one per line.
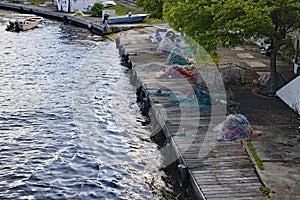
<point>68,120</point>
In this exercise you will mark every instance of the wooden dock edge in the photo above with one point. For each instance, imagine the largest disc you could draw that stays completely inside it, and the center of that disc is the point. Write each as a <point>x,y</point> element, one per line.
<point>156,117</point>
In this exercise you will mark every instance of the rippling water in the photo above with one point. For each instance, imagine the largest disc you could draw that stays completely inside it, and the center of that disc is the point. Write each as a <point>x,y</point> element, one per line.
<point>69,124</point>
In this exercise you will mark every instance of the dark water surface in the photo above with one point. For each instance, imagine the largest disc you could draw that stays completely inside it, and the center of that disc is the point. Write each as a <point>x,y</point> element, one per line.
<point>69,124</point>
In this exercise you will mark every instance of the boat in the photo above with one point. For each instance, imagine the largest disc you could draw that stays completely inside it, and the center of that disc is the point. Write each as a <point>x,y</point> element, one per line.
<point>107,3</point>
<point>129,18</point>
<point>24,25</point>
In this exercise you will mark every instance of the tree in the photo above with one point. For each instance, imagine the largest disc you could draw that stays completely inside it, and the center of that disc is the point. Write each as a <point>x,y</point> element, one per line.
<point>96,10</point>
<point>232,22</point>
<point>153,7</point>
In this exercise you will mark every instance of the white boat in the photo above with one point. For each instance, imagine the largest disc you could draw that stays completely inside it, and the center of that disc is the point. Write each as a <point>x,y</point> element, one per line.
<point>24,25</point>
<point>110,17</point>
<point>108,3</point>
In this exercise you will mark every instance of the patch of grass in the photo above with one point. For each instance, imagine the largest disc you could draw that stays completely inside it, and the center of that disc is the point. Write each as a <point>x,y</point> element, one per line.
<point>37,1</point>
<point>267,191</point>
<point>257,159</point>
<point>121,10</point>
<point>149,20</point>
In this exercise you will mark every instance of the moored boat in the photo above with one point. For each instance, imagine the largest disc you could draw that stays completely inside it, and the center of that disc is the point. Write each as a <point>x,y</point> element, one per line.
<point>129,18</point>
<point>24,25</point>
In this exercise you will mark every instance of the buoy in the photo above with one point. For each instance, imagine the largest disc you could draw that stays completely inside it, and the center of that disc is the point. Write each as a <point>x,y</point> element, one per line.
<point>183,176</point>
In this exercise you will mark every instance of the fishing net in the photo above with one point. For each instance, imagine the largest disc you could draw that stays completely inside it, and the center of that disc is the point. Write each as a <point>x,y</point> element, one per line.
<point>233,74</point>
<point>197,99</point>
<point>157,37</point>
<point>176,72</point>
<point>178,56</point>
<point>166,45</point>
<point>235,127</point>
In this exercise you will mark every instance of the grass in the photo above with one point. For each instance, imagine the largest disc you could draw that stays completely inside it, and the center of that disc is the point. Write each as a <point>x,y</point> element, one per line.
<point>267,191</point>
<point>121,10</point>
<point>154,21</point>
<point>35,1</point>
<point>257,159</point>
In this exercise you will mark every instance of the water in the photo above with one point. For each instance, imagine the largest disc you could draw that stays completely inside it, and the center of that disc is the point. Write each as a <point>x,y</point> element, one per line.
<point>69,124</point>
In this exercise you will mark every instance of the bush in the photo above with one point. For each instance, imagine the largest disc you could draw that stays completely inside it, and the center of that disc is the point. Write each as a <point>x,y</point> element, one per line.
<point>96,10</point>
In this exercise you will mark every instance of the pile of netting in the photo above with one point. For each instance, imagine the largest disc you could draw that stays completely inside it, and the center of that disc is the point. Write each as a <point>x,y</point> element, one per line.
<point>177,72</point>
<point>157,36</point>
<point>194,100</point>
<point>235,127</point>
<point>179,56</point>
<point>167,43</point>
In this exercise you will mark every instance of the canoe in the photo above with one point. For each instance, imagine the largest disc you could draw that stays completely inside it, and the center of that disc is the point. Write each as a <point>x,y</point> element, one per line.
<point>24,25</point>
<point>135,18</point>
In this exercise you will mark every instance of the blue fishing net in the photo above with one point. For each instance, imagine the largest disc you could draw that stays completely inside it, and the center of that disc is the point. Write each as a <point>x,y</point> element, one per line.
<point>177,56</point>
<point>200,99</point>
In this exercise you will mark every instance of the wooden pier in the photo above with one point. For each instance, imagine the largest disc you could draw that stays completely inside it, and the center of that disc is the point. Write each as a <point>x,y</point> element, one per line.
<point>211,169</point>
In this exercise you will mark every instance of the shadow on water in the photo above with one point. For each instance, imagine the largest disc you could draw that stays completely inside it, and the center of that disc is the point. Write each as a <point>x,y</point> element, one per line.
<point>69,123</point>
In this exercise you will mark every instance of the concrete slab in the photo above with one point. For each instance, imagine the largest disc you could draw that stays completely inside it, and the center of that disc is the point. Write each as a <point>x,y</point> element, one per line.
<point>283,179</point>
<point>256,64</point>
<point>244,55</point>
<point>237,49</point>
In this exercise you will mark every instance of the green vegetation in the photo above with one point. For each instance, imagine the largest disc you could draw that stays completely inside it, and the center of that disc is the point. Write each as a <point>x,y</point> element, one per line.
<point>257,159</point>
<point>96,10</point>
<point>121,10</point>
<point>149,20</point>
<point>266,191</point>
<point>153,7</point>
<point>33,1</point>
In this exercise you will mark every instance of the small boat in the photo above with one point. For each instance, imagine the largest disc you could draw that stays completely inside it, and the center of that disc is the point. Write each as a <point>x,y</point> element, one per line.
<point>129,18</point>
<point>24,25</point>
<point>107,3</point>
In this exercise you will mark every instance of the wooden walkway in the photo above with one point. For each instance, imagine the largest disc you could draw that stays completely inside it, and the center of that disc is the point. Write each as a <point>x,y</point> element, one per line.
<point>216,170</point>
